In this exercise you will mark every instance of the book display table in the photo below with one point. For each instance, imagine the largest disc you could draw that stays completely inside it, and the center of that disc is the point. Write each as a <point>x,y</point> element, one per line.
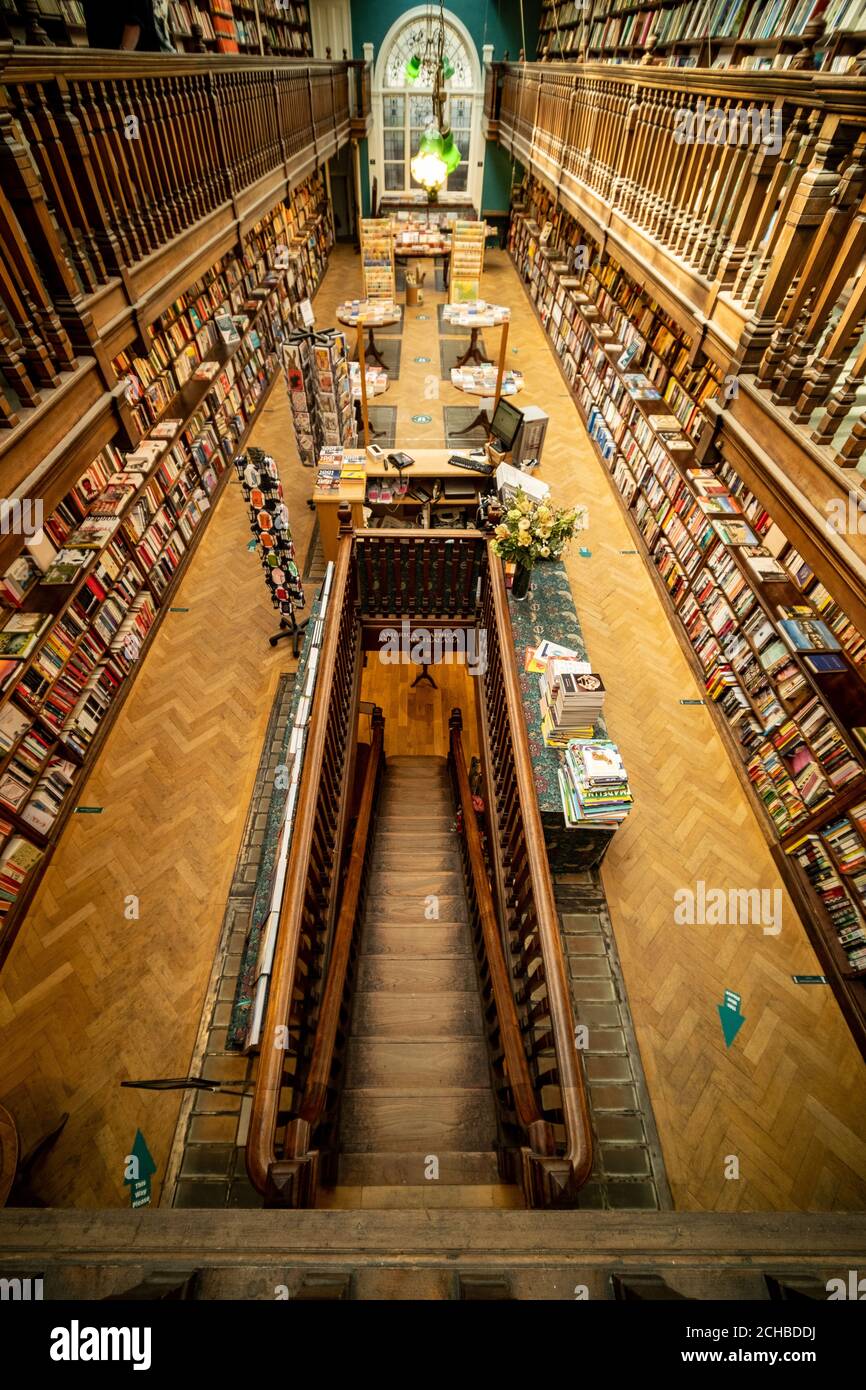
<point>369,314</point>
<point>549,611</point>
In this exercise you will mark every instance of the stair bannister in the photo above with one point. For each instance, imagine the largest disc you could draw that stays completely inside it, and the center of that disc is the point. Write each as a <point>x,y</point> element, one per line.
<point>540,982</point>
<point>509,1056</point>
<point>309,904</point>
<point>320,1102</point>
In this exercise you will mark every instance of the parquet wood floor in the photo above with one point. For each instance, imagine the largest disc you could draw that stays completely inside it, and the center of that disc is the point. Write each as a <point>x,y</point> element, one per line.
<point>89,997</point>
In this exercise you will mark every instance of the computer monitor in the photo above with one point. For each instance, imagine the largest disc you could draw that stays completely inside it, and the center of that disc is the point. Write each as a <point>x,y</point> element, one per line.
<point>506,421</point>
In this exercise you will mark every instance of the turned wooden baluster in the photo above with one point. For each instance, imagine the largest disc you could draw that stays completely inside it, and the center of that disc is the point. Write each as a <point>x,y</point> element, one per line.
<point>823,280</point>
<point>102,157</point>
<point>855,445</point>
<point>139,156</point>
<point>183,151</point>
<point>654,172</point>
<point>155,118</point>
<point>731,185</point>
<point>45,283</point>
<point>700,237</point>
<point>216,87</point>
<point>840,404</point>
<point>634,192</point>
<point>37,123</point>
<point>826,368</point>
<point>763,169</point>
<point>12,365</point>
<point>615,105</point>
<point>670,168</point>
<point>685,224</point>
<point>804,216</point>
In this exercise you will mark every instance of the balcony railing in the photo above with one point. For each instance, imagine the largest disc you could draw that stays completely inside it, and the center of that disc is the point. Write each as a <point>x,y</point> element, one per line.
<point>739,193</point>
<point>107,159</point>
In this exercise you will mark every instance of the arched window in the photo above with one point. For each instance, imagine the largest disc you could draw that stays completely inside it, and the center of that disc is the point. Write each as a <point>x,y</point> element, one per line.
<point>407,107</point>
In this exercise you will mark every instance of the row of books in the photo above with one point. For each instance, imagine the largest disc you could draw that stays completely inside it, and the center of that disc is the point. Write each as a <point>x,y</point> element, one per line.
<point>771,643</point>
<point>109,552</point>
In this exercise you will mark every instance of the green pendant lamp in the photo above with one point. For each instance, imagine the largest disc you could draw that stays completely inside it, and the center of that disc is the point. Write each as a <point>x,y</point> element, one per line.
<point>412,69</point>
<point>450,152</point>
<point>447,67</point>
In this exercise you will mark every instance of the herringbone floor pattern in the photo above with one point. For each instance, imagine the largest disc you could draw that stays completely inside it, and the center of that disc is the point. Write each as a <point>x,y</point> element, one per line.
<point>89,997</point>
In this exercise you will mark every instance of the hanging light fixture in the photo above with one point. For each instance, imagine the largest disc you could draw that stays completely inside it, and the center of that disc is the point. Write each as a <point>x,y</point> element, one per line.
<point>438,155</point>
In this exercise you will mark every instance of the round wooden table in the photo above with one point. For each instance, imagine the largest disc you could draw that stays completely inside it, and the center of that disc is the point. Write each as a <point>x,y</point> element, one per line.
<point>369,314</point>
<point>488,393</point>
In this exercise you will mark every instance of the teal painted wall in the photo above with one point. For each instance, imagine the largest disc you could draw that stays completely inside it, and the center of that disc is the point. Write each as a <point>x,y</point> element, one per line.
<point>488,21</point>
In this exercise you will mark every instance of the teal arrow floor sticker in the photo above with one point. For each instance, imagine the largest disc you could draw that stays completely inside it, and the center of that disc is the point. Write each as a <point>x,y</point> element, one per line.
<point>138,1171</point>
<point>729,1013</point>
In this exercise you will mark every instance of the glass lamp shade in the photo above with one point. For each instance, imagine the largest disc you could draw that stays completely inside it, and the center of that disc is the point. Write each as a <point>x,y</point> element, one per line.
<point>450,152</point>
<point>413,68</point>
<point>447,67</point>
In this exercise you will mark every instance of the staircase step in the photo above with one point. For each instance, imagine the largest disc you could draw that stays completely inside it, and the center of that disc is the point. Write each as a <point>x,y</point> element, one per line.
<point>417,1017</point>
<point>408,1170</point>
<point>413,841</point>
<point>458,1119</point>
<point>401,861</point>
<point>417,760</point>
<point>385,940</point>
<point>391,908</point>
<point>433,1195</point>
<point>421,974</point>
<point>402,882</point>
<point>376,1064</point>
<point>417,822</point>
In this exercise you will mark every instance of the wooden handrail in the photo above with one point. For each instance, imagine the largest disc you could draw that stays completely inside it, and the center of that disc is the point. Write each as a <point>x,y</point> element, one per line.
<point>577,1154</point>
<point>538,1130</point>
<point>321,1063</point>
<point>261,1156</point>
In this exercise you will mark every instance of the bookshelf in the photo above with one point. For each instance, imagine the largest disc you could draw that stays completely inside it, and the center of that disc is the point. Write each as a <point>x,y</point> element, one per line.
<point>62,21</point>
<point>377,258</point>
<point>81,603</point>
<point>704,33</point>
<point>235,26</point>
<point>729,579</point>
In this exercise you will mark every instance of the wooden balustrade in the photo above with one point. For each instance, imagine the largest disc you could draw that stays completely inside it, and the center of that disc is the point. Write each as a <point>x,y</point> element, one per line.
<point>422,574</point>
<point>739,194</point>
<point>105,160</point>
<point>312,1136</point>
<point>309,914</point>
<point>527,915</point>
<point>518,1108</point>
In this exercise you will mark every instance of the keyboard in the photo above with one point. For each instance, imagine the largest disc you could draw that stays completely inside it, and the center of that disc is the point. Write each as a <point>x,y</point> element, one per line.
<point>473,465</point>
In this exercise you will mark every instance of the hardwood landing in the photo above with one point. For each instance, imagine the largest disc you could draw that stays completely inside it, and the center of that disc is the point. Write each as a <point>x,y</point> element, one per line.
<point>417,1123</point>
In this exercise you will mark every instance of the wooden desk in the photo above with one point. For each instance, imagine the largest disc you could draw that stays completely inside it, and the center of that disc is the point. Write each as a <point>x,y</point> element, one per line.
<point>429,463</point>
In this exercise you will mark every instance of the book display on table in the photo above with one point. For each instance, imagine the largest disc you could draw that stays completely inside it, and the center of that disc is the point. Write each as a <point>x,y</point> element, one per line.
<point>377,258</point>
<point>467,261</point>
<point>781,663</point>
<point>82,600</point>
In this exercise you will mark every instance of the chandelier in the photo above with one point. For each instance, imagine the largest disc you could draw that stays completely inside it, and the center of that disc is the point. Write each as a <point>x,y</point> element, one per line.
<point>438,155</point>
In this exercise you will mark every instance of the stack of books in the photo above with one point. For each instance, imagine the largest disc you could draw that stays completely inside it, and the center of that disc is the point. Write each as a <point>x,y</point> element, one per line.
<point>593,784</point>
<point>572,697</point>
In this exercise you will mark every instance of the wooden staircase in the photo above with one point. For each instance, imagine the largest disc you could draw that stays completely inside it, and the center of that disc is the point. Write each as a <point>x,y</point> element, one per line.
<point>417,1098</point>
